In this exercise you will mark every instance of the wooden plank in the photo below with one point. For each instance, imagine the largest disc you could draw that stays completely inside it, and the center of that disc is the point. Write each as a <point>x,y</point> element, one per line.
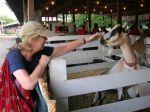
<point>90,67</point>
<point>82,56</point>
<point>108,59</point>
<point>67,37</point>
<point>31,11</point>
<point>85,56</point>
<point>123,106</point>
<point>91,44</point>
<point>101,49</point>
<point>99,83</point>
<point>57,72</point>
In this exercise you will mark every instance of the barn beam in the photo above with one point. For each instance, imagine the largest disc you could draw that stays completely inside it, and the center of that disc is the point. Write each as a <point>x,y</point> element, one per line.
<point>119,14</point>
<point>31,12</point>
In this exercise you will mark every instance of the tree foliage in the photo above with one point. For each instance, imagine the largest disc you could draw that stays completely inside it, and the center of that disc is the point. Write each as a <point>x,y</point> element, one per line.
<point>101,20</point>
<point>7,19</point>
<point>80,19</point>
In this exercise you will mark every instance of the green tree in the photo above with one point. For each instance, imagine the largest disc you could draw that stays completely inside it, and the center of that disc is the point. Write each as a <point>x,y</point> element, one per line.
<point>96,18</point>
<point>101,20</point>
<point>80,19</point>
<point>7,19</point>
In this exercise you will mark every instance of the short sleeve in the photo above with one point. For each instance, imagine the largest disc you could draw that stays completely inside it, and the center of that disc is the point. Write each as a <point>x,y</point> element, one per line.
<point>15,60</point>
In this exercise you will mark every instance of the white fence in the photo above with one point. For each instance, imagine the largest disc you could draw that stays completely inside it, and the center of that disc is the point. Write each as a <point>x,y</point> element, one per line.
<point>80,60</point>
<point>88,53</point>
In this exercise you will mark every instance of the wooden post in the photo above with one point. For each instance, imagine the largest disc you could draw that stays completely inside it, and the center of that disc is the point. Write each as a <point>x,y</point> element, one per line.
<point>58,72</point>
<point>38,16</point>
<point>111,20</point>
<point>63,16</point>
<point>1,27</point>
<point>137,13</point>
<point>31,12</point>
<point>66,18</point>
<point>103,20</point>
<point>57,18</point>
<point>38,11</point>
<point>73,16</point>
<point>149,19</point>
<point>52,19</point>
<point>119,14</point>
<point>89,13</point>
<point>25,11</point>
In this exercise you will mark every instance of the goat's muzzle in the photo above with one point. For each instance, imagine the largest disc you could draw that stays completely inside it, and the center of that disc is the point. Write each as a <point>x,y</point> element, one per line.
<point>103,41</point>
<point>105,38</point>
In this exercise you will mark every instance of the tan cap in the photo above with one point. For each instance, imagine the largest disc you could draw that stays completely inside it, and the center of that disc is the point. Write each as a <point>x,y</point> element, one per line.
<point>33,29</point>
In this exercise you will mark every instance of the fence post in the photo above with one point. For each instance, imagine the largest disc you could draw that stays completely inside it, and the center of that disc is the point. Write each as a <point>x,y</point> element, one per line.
<point>58,72</point>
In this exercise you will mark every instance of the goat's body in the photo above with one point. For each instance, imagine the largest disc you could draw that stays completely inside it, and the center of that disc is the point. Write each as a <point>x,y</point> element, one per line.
<point>120,67</point>
<point>127,63</point>
<point>139,49</point>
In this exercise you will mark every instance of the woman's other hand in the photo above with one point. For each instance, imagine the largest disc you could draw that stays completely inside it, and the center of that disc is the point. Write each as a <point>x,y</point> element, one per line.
<point>44,60</point>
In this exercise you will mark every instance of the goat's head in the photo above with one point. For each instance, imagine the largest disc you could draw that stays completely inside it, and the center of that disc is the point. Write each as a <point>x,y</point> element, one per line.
<point>113,37</point>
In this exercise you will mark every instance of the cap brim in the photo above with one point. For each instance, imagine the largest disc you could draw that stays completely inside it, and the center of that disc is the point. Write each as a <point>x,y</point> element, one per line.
<point>47,33</point>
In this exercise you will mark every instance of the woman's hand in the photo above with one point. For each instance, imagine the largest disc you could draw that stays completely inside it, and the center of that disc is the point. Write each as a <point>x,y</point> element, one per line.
<point>93,37</point>
<point>44,60</point>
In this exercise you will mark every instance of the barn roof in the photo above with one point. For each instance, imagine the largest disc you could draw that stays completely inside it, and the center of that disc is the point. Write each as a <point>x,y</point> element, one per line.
<point>11,24</point>
<point>2,21</point>
<point>128,7</point>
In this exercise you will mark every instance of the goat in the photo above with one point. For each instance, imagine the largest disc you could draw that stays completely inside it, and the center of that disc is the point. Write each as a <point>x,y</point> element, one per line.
<point>116,37</point>
<point>140,53</point>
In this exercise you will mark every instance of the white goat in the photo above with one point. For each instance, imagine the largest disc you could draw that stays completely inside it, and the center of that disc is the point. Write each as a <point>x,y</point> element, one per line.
<point>116,37</point>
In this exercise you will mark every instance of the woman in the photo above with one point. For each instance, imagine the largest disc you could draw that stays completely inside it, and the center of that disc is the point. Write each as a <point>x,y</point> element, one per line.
<point>28,62</point>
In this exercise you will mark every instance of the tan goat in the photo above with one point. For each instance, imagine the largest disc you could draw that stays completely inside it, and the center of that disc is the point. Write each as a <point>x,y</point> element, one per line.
<point>116,37</point>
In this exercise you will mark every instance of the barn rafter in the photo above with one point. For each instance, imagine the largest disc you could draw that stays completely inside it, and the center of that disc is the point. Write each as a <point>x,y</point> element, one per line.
<point>55,7</point>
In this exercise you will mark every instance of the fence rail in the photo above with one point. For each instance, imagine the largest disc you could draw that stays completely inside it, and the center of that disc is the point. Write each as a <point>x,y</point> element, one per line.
<point>63,88</point>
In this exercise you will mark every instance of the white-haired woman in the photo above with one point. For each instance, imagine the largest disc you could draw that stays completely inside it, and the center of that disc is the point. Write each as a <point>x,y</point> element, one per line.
<point>28,62</point>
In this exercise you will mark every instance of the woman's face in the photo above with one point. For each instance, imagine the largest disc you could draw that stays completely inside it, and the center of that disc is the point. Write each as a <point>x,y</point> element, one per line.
<point>38,44</point>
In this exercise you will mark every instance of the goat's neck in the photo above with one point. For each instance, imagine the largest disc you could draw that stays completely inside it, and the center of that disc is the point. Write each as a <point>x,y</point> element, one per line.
<point>127,51</point>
